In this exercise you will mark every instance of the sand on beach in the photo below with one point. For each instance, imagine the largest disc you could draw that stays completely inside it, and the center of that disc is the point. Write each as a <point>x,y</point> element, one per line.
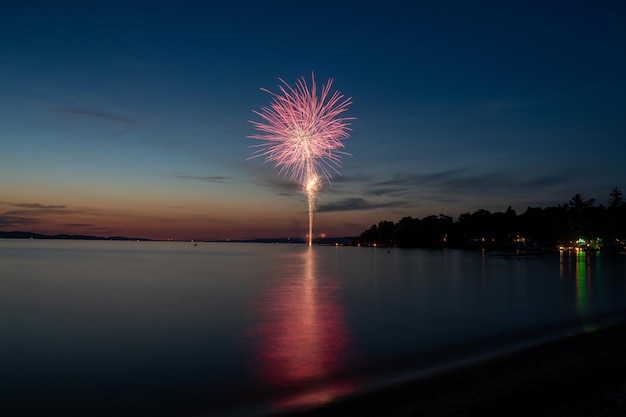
<point>581,375</point>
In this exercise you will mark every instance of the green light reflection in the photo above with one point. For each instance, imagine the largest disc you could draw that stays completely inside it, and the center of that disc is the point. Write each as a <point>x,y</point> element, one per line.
<point>583,289</point>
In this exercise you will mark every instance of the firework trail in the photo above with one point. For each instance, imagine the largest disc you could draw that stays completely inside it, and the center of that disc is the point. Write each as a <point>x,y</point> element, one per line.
<point>303,134</point>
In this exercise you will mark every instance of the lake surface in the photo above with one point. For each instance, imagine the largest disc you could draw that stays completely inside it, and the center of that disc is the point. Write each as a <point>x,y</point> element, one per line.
<point>111,328</point>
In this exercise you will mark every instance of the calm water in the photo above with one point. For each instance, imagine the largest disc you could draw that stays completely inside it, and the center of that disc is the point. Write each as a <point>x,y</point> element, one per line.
<point>155,328</point>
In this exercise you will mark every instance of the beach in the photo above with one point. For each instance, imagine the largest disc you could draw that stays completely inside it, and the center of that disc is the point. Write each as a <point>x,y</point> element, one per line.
<point>581,375</point>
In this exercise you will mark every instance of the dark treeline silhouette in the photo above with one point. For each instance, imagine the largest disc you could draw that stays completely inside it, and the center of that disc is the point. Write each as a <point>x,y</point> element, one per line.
<point>542,228</point>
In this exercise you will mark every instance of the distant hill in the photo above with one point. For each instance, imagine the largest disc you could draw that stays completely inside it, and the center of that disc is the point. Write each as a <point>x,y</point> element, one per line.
<point>65,236</point>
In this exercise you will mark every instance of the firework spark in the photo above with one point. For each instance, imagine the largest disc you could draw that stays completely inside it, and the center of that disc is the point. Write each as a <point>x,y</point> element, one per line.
<point>303,134</point>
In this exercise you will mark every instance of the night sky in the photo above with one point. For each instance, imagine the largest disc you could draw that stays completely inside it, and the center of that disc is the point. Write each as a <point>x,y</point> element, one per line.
<point>129,118</point>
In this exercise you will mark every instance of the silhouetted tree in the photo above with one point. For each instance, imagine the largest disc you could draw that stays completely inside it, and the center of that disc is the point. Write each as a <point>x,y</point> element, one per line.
<point>537,225</point>
<point>385,232</point>
<point>578,203</point>
<point>370,236</point>
<point>584,217</point>
<point>616,198</point>
<point>543,227</point>
<point>380,235</point>
<point>616,216</point>
<point>406,232</point>
<point>433,230</point>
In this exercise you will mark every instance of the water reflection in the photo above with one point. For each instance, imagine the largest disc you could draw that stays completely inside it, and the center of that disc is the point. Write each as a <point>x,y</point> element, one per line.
<point>301,335</point>
<point>583,289</point>
<point>582,273</point>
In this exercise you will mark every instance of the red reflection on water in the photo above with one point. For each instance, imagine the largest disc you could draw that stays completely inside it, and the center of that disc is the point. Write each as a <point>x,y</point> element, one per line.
<point>301,333</point>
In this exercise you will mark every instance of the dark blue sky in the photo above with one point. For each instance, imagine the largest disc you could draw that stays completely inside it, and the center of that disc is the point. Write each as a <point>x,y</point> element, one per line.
<point>132,117</point>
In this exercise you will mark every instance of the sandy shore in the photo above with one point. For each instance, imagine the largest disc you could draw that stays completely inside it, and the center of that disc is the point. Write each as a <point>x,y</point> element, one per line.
<point>582,375</point>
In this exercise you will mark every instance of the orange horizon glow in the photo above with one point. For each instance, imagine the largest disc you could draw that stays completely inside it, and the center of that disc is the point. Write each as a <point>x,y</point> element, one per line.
<point>219,221</point>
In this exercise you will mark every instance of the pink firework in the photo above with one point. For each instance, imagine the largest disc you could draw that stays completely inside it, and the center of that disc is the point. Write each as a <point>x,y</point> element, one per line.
<point>303,134</point>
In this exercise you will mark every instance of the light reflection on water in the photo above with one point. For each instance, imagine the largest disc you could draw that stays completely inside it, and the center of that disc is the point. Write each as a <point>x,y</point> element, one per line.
<point>582,296</point>
<point>579,264</point>
<point>300,331</point>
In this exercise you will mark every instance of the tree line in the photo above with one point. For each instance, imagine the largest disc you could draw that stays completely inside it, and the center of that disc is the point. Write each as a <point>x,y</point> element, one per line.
<point>541,227</point>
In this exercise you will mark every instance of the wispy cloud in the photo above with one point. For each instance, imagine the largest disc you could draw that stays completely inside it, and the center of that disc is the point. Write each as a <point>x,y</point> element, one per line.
<point>38,212</point>
<point>102,116</point>
<point>280,186</point>
<point>97,115</point>
<point>213,179</point>
<point>355,203</point>
<point>268,178</point>
<point>37,206</point>
<point>548,181</point>
<point>465,181</point>
<point>10,220</point>
<point>29,213</point>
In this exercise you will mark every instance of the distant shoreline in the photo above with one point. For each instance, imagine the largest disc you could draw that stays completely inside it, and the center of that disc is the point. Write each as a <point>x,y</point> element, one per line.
<point>65,236</point>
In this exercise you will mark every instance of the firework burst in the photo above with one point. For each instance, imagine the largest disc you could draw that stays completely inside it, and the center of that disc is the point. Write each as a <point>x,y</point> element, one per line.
<point>303,134</point>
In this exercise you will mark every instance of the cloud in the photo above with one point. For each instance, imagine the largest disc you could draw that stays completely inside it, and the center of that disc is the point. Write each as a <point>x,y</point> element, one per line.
<point>29,213</point>
<point>548,181</point>
<point>9,220</point>
<point>213,179</point>
<point>411,180</point>
<point>268,179</point>
<point>463,181</point>
<point>352,178</point>
<point>280,186</point>
<point>507,182</point>
<point>97,115</point>
<point>36,206</point>
<point>80,225</point>
<point>441,198</point>
<point>355,203</point>
<point>38,212</point>
<point>389,191</point>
